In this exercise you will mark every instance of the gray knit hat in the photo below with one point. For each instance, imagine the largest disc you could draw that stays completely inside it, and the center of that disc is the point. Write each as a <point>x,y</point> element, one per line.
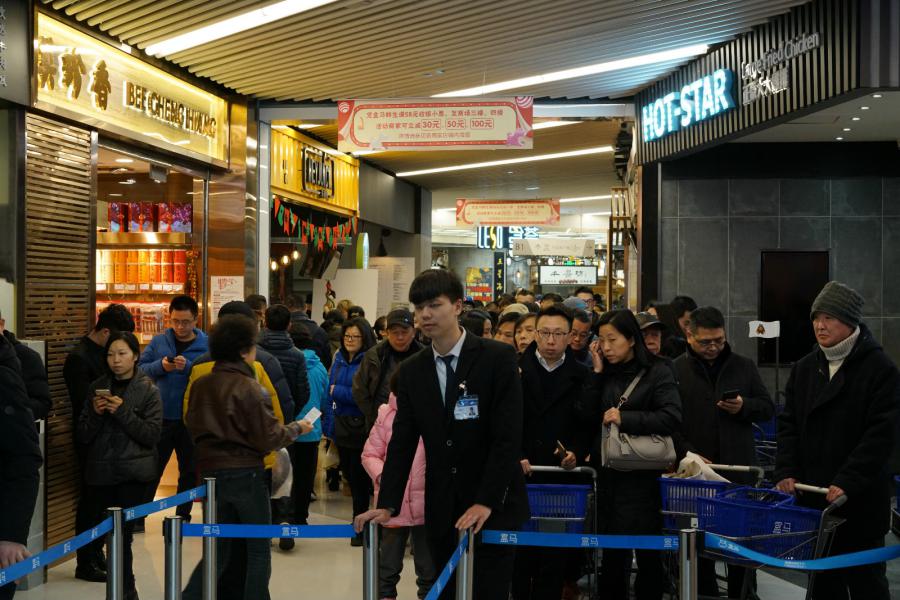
<point>839,301</point>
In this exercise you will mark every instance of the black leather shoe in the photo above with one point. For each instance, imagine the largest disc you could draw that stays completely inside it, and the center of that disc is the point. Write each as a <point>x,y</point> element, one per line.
<point>356,541</point>
<point>131,595</point>
<point>90,573</point>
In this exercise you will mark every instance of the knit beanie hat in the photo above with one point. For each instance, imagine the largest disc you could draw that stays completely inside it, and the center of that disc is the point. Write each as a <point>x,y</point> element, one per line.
<point>839,301</point>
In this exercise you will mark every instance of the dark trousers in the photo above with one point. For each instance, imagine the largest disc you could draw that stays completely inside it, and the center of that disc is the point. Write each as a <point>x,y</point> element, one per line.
<point>867,581</point>
<point>360,484</point>
<point>8,591</point>
<point>176,438</point>
<point>539,573</point>
<point>89,506</point>
<point>126,495</point>
<point>708,585</point>
<point>391,553</point>
<point>241,497</point>
<point>493,566</point>
<point>304,458</point>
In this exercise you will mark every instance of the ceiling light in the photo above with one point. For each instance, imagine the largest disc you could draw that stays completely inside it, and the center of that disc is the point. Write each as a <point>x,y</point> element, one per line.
<point>242,22</point>
<point>863,108</point>
<point>115,195</point>
<point>285,260</point>
<point>366,152</point>
<point>532,188</point>
<point>309,125</point>
<point>509,172</point>
<point>876,95</point>
<point>510,161</point>
<point>295,254</point>
<point>855,119</point>
<point>846,129</point>
<point>604,67</point>
<point>598,214</point>
<point>125,161</point>
<point>551,124</point>
<point>445,210</point>
<point>585,198</point>
<point>128,182</point>
<point>839,138</point>
<point>273,266</point>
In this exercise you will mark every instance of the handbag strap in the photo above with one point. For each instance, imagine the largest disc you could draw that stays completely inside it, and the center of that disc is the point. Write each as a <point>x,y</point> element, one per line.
<point>627,394</point>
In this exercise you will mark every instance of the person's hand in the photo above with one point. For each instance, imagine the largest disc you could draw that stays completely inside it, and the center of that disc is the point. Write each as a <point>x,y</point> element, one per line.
<point>834,492</point>
<point>568,462</point>
<point>526,466</point>
<point>596,356</point>
<point>331,390</point>
<point>113,403</point>
<point>167,366</point>
<point>731,405</point>
<point>376,515</point>
<point>475,517</point>
<point>305,426</point>
<point>612,416</point>
<point>12,553</point>
<point>786,485</point>
<point>99,404</point>
<point>180,362</point>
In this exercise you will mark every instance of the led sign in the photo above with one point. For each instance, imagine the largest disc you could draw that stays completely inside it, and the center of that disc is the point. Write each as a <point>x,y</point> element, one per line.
<point>699,100</point>
<point>493,237</point>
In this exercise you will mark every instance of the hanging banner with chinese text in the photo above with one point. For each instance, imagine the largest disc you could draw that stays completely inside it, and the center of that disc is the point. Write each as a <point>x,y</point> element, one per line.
<point>436,124</point>
<point>506,212</point>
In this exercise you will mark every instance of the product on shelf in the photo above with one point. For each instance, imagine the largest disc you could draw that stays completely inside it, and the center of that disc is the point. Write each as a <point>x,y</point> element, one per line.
<point>134,216</point>
<point>179,266</point>
<point>149,318</point>
<point>132,268</point>
<point>166,217</point>
<point>184,216</point>
<point>120,266</point>
<point>118,217</point>
<point>148,223</point>
<point>165,267</point>
<point>144,266</point>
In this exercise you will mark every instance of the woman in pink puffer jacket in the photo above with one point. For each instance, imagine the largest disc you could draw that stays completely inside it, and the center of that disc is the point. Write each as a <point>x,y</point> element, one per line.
<point>411,519</point>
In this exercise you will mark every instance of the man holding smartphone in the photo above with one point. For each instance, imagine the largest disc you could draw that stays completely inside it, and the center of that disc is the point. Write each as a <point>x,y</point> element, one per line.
<point>722,394</point>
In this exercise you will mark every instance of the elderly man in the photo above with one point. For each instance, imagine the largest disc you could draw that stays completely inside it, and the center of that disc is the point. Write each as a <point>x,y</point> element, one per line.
<point>837,432</point>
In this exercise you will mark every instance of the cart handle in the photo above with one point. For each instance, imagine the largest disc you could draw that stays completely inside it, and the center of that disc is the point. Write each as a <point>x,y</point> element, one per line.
<point>839,501</point>
<point>758,471</point>
<point>586,470</point>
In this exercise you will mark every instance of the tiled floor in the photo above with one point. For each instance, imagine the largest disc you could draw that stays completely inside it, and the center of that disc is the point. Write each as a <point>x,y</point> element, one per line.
<point>320,569</point>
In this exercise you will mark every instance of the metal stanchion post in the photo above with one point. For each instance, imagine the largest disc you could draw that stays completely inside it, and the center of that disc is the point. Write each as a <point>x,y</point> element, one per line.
<point>370,562</point>
<point>172,535</point>
<point>115,539</point>
<point>209,543</point>
<point>465,571</point>
<point>687,555</point>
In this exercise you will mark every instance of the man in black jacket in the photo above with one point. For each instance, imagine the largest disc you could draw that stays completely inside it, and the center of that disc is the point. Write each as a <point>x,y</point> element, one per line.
<point>837,431</point>
<point>20,462</point>
<point>33,373</point>
<point>85,364</point>
<point>722,394</point>
<point>463,398</point>
<point>297,305</point>
<point>370,384</point>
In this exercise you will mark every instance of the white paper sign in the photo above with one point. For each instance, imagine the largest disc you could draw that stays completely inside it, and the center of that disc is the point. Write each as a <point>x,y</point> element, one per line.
<point>224,289</point>
<point>568,275</point>
<point>395,275</point>
<point>552,247</point>
<point>765,329</point>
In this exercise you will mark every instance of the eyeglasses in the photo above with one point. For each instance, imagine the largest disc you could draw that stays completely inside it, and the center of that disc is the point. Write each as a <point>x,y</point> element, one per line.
<point>352,338</point>
<point>718,342</point>
<point>581,335</point>
<point>557,335</point>
<point>181,322</point>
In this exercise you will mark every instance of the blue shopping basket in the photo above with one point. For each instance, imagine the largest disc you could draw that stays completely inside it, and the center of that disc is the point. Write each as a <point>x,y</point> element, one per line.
<point>679,497</point>
<point>763,520</point>
<point>557,508</point>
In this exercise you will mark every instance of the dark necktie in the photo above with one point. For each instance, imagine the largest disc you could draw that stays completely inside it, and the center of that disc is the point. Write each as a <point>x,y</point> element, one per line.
<point>450,389</point>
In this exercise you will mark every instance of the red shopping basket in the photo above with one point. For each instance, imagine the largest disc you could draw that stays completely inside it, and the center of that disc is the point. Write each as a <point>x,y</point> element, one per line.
<point>557,508</point>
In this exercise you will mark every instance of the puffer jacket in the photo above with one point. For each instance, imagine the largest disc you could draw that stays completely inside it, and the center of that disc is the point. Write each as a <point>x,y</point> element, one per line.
<point>122,446</point>
<point>171,384</point>
<point>412,511</point>
<point>280,345</point>
<point>341,378</point>
<point>34,374</point>
<point>318,394</point>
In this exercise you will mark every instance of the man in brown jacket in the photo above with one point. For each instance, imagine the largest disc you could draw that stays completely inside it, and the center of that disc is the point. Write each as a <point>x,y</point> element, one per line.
<point>231,421</point>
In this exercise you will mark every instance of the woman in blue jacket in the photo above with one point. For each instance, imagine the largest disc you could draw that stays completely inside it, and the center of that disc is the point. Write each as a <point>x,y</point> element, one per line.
<point>349,423</point>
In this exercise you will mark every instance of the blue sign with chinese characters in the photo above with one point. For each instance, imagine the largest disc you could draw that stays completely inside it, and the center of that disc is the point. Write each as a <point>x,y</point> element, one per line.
<point>699,100</point>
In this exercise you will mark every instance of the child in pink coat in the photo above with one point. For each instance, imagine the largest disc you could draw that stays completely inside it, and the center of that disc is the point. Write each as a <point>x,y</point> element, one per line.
<point>410,520</point>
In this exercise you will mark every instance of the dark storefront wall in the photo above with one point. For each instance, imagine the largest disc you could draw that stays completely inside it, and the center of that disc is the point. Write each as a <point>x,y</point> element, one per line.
<point>844,198</point>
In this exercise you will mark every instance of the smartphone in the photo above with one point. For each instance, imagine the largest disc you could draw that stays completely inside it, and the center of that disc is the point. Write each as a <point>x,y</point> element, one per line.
<point>731,394</point>
<point>103,393</point>
<point>171,359</point>
<point>313,415</point>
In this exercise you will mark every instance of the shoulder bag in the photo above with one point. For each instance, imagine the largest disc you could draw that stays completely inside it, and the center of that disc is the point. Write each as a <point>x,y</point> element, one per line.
<point>626,452</point>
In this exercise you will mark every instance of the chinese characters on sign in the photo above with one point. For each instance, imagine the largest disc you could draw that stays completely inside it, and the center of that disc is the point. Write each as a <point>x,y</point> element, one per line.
<point>557,275</point>
<point>506,212</point>
<point>553,247</point>
<point>699,100</point>
<point>499,273</point>
<point>435,124</point>
<point>224,290</point>
<point>761,78</point>
<point>524,233</point>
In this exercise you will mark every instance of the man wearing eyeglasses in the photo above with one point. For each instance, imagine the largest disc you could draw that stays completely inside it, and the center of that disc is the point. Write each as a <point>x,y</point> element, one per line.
<point>581,337</point>
<point>168,361</point>
<point>552,381</point>
<point>722,395</point>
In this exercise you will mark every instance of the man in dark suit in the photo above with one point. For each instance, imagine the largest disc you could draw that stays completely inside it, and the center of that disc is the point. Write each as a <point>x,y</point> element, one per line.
<point>463,397</point>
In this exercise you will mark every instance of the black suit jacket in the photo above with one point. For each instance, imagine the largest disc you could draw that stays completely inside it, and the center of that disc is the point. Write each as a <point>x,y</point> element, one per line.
<point>467,462</point>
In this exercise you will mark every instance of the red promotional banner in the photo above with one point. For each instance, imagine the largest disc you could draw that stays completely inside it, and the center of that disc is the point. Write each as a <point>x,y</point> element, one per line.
<point>436,124</point>
<point>507,212</point>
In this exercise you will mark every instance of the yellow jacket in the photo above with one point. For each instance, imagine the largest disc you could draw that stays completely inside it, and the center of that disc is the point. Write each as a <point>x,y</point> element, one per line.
<point>198,370</point>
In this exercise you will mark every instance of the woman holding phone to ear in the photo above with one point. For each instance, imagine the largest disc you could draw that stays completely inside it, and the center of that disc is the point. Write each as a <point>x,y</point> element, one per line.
<point>120,426</point>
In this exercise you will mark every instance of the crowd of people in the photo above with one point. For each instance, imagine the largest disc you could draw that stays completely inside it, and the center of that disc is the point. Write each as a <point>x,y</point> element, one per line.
<point>438,418</point>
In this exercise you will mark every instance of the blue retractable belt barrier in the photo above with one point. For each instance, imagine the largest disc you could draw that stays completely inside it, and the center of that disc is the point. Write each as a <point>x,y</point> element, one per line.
<point>54,553</point>
<point>267,531</point>
<point>577,540</point>
<point>444,578</point>
<point>842,561</point>
<point>149,508</point>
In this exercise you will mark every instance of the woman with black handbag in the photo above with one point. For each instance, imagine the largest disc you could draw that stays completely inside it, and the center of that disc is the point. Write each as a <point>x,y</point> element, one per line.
<point>350,432</point>
<point>637,397</point>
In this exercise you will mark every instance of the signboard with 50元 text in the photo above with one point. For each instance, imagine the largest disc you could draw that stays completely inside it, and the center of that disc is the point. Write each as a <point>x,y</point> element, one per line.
<point>507,212</point>
<point>436,124</point>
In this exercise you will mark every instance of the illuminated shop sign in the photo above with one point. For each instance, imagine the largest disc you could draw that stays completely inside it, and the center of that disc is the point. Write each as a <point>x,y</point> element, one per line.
<point>318,173</point>
<point>697,101</point>
<point>494,238</point>
<point>158,106</point>
<point>771,74</point>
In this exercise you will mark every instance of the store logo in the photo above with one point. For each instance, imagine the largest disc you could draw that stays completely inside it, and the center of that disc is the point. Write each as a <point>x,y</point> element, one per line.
<point>318,173</point>
<point>770,74</point>
<point>493,238</point>
<point>697,101</point>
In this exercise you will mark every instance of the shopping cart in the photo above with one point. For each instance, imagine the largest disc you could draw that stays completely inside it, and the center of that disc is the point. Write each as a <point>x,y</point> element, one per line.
<point>768,522</point>
<point>765,445</point>
<point>561,508</point>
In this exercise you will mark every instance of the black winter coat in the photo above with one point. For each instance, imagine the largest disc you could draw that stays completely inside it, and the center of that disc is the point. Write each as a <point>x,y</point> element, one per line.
<point>122,446</point>
<point>321,344</point>
<point>371,384</point>
<point>708,430</point>
<point>841,432</point>
<point>280,345</point>
<point>84,365</point>
<point>35,376</point>
<point>20,452</point>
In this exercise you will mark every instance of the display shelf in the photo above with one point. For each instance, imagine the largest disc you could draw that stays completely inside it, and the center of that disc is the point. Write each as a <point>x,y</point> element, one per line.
<point>143,289</point>
<point>142,238</point>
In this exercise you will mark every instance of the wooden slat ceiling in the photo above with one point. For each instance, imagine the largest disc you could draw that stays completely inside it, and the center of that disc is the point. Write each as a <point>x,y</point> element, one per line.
<point>395,48</point>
